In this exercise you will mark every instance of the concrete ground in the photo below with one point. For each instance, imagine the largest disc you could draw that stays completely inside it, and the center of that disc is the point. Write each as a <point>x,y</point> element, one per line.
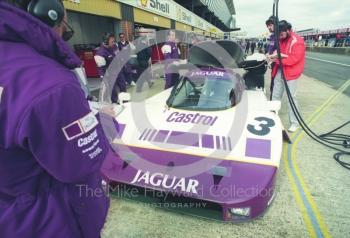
<point>312,189</point>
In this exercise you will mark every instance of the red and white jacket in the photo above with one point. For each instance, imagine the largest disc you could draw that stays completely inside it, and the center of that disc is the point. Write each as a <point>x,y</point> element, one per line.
<point>293,65</point>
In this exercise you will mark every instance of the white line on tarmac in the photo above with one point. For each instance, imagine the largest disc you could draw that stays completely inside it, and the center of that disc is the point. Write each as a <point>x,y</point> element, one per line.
<point>327,61</point>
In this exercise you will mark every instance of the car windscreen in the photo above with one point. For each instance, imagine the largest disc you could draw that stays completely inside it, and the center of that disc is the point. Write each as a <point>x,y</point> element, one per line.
<point>219,54</point>
<point>205,93</point>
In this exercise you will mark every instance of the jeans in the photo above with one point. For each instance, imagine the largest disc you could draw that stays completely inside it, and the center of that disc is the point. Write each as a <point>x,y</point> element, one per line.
<point>278,90</point>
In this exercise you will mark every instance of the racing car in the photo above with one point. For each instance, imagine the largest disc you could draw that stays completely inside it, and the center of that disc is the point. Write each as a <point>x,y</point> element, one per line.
<point>207,139</point>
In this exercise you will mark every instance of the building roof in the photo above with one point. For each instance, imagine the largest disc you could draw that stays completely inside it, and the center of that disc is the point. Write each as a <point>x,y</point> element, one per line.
<point>223,9</point>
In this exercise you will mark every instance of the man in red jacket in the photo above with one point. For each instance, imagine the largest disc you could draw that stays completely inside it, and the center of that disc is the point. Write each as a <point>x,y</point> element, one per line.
<point>293,61</point>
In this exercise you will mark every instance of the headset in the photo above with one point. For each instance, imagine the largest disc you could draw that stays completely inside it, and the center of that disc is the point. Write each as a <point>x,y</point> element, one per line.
<point>51,12</point>
<point>106,36</point>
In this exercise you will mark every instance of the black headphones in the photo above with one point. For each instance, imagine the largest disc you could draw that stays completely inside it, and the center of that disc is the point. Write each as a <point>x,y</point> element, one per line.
<point>51,12</point>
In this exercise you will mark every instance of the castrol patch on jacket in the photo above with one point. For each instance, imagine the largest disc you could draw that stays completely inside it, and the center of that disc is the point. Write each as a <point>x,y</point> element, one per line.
<point>80,126</point>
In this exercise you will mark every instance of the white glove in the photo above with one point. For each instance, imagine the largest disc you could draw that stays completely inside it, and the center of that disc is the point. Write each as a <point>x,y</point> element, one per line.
<point>166,49</point>
<point>100,61</point>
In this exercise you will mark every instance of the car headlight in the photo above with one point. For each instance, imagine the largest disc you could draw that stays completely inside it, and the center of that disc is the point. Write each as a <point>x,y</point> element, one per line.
<point>242,211</point>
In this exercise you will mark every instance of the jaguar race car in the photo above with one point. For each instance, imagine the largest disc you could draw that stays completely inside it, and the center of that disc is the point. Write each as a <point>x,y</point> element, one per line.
<point>207,139</point>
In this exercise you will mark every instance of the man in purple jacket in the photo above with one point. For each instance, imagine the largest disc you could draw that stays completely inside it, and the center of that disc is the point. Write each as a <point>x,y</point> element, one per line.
<point>171,54</point>
<point>51,144</point>
<point>104,57</point>
<point>271,45</point>
<point>270,26</point>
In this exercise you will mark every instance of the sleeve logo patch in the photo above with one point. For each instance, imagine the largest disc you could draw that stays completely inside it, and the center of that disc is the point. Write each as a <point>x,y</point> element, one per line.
<point>80,126</point>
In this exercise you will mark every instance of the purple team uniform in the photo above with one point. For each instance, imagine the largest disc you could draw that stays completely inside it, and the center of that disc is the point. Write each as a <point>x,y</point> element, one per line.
<point>51,145</point>
<point>272,46</point>
<point>108,54</point>
<point>170,76</point>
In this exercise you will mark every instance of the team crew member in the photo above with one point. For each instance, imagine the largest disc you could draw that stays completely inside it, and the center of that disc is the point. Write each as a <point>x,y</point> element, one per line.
<point>293,60</point>
<point>104,56</point>
<point>51,145</point>
<point>123,44</point>
<point>270,26</point>
<point>271,45</point>
<point>171,54</point>
<point>193,40</point>
<point>144,54</point>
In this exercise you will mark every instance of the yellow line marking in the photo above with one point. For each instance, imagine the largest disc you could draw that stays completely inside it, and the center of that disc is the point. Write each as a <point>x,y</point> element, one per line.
<point>297,195</point>
<point>314,117</point>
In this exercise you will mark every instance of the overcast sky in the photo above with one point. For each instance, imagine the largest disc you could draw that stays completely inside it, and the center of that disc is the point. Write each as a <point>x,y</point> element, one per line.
<point>303,14</point>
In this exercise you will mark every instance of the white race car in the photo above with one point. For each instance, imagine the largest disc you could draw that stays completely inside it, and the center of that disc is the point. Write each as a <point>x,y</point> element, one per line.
<point>206,139</point>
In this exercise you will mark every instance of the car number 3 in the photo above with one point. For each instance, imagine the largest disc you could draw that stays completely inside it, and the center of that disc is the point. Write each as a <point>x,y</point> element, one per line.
<point>263,128</point>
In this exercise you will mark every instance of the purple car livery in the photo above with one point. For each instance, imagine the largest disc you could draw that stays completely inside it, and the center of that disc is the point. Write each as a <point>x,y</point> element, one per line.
<point>207,138</point>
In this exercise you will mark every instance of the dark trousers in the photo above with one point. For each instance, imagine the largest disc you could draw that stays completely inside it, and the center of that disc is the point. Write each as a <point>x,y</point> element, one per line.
<point>119,86</point>
<point>144,76</point>
<point>127,73</point>
<point>253,49</point>
<point>171,76</point>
